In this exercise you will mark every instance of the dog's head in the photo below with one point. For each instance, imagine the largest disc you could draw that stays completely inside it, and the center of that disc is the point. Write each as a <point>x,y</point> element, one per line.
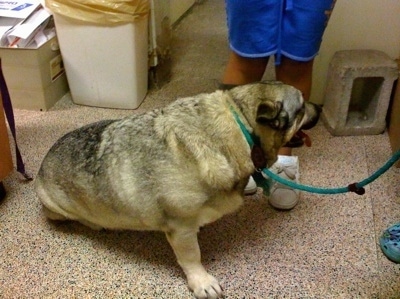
<point>275,111</point>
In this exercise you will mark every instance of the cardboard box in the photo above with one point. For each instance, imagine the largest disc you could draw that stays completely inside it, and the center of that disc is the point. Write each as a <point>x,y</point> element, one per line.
<point>6,163</point>
<point>35,78</point>
<point>394,122</point>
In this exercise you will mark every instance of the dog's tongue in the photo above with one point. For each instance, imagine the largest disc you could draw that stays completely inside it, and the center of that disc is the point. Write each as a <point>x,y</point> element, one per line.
<point>305,137</point>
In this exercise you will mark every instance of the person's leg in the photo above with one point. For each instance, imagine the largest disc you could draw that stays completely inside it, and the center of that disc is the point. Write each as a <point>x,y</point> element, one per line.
<point>299,75</point>
<point>253,31</point>
<point>303,25</point>
<point>242,70</point>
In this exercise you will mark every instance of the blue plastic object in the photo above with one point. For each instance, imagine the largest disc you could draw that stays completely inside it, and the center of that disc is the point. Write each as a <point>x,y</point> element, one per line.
<point>390,243</point>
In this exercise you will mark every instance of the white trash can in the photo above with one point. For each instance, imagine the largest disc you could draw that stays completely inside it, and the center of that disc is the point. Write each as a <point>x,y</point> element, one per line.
<point>106,65</point>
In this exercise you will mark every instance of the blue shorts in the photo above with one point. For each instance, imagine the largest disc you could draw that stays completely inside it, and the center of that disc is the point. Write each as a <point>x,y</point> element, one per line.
<point>293,28</point>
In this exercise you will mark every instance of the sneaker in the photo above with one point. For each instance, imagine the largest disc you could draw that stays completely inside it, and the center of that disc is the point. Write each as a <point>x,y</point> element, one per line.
<point>283,197</point>
<point>390,243</point>
<point>251,187</point>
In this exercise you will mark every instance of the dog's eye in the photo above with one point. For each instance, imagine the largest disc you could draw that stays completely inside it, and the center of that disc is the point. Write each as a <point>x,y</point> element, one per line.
<point>275,124</point>
<point>273,115</point>
<point>281,122</point>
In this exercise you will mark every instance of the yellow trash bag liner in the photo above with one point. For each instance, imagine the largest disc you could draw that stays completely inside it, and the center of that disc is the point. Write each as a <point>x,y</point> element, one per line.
<point>102,12</point>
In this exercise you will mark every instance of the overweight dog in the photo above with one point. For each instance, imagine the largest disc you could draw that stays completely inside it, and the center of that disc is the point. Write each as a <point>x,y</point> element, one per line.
<point>172,169</point>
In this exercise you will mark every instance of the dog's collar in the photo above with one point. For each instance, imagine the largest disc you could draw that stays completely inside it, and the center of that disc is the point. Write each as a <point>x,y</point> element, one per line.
<point>257,153</point>
<point>250,138</point>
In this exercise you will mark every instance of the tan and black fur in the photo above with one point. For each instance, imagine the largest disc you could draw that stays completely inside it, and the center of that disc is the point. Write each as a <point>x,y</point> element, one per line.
<point>172,169</point>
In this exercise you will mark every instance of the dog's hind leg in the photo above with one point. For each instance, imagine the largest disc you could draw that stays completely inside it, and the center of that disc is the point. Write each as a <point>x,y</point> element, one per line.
<point>58,217</point>
<point>53,215</point>
<point>186,247</point>
<point>91,225</point>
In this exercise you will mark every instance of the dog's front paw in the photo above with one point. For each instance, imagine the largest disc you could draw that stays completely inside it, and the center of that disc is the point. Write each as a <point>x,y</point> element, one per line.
<point>205,286</point>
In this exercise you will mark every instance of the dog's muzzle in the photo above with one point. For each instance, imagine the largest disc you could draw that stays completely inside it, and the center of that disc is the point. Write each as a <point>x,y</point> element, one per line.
<point>312,115</point>
<point>312,112</point>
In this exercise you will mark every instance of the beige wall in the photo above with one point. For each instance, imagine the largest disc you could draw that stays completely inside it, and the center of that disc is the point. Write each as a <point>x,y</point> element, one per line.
<point>357,24</point>
<point>164,14</point>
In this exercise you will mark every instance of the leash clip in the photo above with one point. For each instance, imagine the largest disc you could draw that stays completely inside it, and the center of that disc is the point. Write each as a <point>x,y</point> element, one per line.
<point>354,188</point>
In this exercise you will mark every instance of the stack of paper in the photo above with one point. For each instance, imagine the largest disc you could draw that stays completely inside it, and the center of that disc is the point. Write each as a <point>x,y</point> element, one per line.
<point>24,24</point>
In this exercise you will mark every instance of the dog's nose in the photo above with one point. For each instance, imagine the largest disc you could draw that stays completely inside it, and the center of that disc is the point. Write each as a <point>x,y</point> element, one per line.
<point>312,115</point>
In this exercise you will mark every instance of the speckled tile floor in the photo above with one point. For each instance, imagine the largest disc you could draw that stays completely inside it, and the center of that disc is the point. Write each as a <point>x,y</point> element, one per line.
<point>324,248</point>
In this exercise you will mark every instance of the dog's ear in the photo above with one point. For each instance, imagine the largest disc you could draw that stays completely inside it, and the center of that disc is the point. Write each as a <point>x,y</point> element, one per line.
<point>271,114</point>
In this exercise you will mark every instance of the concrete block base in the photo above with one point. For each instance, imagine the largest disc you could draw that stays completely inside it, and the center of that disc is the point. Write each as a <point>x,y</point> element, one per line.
<point>358,92</point>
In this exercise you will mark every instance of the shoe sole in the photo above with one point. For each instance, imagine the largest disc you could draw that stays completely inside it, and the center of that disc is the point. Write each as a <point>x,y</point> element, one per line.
<point>250,191</point>
<point>283,208</point>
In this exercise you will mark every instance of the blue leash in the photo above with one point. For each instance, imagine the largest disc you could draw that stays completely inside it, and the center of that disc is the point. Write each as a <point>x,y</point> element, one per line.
<point>355,187</point>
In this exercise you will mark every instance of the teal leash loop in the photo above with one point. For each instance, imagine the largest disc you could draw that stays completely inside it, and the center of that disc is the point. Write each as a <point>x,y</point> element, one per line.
<point>357,188</point>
